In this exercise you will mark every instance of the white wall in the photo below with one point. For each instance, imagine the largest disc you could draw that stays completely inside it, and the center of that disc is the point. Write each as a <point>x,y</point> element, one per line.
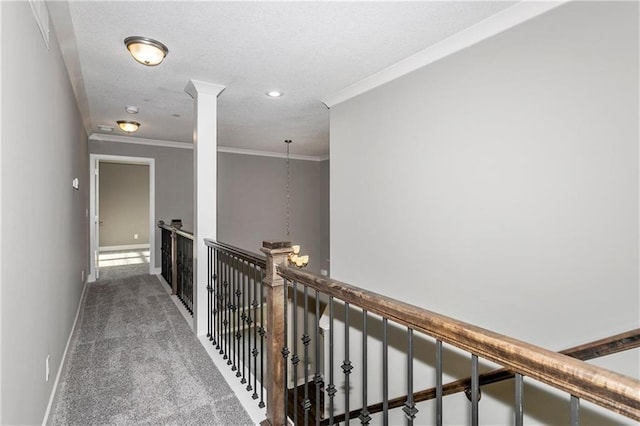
<point>252,201</point>
<point>499,185</point>
<point>124,204</point>
<point>44,226</point>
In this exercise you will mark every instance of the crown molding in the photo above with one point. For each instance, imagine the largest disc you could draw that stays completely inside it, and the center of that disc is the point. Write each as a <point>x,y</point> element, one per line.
<point>100,137</point>
<point>502,21</point>
<point>242,151</point>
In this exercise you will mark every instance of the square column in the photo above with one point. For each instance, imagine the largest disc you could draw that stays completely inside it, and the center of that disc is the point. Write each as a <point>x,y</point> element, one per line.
<point>205,162</point>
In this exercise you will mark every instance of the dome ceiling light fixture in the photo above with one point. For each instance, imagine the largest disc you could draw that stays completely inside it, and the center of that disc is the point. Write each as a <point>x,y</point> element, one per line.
<point>128,126</point>
<point>146,51</point>
<point>274,94</point>
<point>131,109</point>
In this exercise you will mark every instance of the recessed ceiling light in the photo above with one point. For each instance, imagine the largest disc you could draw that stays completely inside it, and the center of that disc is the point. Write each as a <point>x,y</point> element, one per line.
<point>146,51</point>
<point>104,128</point>
<point>274,94</point>
<point>128,126</point>
<point>131,109</point>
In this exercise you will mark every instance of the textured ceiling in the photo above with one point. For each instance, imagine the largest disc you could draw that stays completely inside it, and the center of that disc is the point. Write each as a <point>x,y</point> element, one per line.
<point>308,50</point>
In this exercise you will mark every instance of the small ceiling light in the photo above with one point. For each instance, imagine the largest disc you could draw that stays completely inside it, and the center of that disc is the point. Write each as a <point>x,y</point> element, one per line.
<point>274,94</point>
<point>104,128</point>
<point>146,50</point>
<point>131,109</point>
<point>128,126</point>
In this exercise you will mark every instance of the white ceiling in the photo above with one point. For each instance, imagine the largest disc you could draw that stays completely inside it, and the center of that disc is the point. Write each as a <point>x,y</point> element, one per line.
<point>309,50</point>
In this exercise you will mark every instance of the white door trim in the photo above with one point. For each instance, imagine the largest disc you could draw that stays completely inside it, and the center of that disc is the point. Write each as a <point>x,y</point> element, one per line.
<point>93,243</point>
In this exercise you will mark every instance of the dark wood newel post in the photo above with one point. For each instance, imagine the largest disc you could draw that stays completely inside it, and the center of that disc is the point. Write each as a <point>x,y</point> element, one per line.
<point>174,262</point>
<point>276,252</point>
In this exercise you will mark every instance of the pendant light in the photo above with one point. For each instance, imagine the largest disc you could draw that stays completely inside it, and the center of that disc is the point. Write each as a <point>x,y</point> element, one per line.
<point>295,258</point>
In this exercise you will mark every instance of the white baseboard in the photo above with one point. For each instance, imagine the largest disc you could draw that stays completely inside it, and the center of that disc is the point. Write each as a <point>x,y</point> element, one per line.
<point>157,271</point>
<point>124,247</point>
<point>64,356</point>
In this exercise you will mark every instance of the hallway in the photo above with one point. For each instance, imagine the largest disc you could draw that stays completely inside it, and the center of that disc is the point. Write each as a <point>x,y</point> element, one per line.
<point>133,359</point>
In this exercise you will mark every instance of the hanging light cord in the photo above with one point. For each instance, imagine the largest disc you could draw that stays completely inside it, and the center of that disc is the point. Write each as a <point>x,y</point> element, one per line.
<point>288,142</point>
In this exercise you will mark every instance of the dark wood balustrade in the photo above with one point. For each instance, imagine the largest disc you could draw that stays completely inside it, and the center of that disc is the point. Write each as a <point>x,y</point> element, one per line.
<point>249,299</point>
<point>177,262</point>
<point>608,389</point>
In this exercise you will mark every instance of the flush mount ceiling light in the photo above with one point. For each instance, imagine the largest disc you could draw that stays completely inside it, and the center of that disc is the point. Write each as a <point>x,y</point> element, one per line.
<point>131,109</point>
<point>145,50</point>
<point>128,126</point>
<point>274,94</point>
<point>104,128</point>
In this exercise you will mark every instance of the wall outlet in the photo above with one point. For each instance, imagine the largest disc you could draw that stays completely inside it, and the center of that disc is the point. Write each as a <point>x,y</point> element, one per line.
<point>46,369</point>
<point>135,236</point>
<point>323,272</point>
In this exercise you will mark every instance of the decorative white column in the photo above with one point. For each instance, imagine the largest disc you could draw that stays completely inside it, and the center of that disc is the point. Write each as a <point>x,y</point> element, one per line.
<point>205,162</point>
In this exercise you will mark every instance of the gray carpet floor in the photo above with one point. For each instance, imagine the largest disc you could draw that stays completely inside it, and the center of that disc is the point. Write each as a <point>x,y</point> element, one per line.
<point>134,360</point>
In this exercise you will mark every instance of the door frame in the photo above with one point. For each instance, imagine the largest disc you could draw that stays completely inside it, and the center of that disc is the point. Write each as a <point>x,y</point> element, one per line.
<point>93,243</point>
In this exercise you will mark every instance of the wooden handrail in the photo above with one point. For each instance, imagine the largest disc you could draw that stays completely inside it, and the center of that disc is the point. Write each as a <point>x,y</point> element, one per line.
<point>608,389</point>
<point>607,346</point>
<point>243,254</point>
<point>178,231</point>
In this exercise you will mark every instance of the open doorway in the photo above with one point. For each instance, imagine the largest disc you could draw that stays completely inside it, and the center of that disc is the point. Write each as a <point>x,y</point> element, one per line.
<point>122,206</point>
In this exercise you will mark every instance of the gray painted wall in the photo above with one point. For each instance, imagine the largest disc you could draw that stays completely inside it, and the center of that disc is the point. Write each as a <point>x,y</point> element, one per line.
<point>44,224</point>
<point>173,183</point>
<point>252,204</point>
<point>124,204</point>
<point>500,186</point>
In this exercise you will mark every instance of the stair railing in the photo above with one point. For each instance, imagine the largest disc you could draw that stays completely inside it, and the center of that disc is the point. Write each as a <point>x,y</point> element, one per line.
<point>582,381</point>
<point>177,262</point>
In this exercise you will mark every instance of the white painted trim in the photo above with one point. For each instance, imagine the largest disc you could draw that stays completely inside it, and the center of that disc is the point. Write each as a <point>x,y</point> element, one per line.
<point>151,162</point>
<point>194,87</point>
<point>508,18</point>
<point>242,151</point>
<point>123,247</point>
<point>64,356</point>
<point>98,137</point>
<point>158,271</point>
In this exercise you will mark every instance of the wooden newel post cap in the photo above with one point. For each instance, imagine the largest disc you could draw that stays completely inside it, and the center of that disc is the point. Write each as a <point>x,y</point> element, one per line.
<point>276,247</point>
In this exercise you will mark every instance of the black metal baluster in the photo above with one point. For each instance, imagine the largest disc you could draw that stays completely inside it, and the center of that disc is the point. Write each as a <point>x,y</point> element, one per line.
<point>409,408</point>
<point>218,299</point>
<point>227,326</point>
<point>249,322</point>
<point>306,404</point>
<point>214,283</point>
<point>346,364</point>
<point>519,413</point>
<point>331,389</point>
<point>364,417</point>
<point>234,317</point>
<point>262,337</point>
<point>295,359</point>
<point>285,349</point>
<point>209,273</point>
<point>238,294</point>
<point>245,319</point>
<point>438,382</point>
<point>254,352</point>
<point>475,390</point>
<point>385,374</point>
<point>575,411</point>
<point>317,378</point>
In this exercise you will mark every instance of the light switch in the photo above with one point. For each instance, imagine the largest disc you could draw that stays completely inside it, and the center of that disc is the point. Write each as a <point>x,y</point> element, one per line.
<point>76,184</point>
